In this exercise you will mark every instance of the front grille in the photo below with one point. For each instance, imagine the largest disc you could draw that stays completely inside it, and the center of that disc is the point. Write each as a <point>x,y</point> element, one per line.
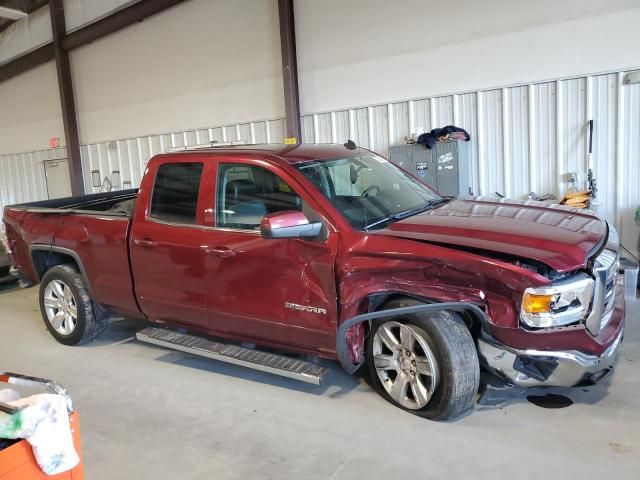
<point>608,260</point>
<point>605,272</point>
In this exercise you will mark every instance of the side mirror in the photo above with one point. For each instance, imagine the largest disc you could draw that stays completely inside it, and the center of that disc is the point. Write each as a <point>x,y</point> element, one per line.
<point>289,224</point>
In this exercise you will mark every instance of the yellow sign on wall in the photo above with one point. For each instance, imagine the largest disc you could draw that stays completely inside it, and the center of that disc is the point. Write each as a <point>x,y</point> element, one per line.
<point>290,141</point>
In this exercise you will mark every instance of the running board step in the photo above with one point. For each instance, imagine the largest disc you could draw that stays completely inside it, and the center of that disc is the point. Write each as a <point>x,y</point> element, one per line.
<point>245,357</point>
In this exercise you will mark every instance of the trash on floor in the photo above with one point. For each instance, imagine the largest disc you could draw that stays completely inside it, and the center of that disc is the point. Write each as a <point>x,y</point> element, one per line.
<point>39,430</point>
<point>43,420</point>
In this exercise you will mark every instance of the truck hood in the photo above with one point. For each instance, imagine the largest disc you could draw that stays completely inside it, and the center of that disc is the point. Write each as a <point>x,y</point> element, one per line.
<point>561,237</point>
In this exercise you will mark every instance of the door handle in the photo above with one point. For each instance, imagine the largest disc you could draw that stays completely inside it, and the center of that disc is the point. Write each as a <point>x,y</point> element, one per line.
<point>146,243</point>
<point>222,252</point>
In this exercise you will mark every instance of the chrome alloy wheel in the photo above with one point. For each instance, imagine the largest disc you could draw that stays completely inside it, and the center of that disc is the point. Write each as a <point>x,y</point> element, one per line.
<point>405,364</point>
<point>61,307</point>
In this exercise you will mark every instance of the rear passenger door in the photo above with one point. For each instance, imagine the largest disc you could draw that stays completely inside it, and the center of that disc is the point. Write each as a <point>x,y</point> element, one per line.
<point>279,291</point>
<point>165,243</point>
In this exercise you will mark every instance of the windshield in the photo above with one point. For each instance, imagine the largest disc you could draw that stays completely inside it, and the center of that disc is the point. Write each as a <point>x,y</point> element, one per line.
<point>369,190</point>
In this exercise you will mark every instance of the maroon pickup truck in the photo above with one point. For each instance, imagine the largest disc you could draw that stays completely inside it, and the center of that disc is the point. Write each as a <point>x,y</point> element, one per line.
<point>334,252</point>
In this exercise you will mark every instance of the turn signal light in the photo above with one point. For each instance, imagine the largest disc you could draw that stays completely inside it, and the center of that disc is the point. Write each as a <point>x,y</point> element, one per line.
<point>532,303</point>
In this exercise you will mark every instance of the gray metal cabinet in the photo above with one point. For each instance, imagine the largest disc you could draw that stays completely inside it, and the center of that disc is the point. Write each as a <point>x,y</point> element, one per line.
<point>445,167</point>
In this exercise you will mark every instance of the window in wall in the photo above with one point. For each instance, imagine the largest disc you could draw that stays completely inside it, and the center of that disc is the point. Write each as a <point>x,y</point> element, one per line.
<point>175,193</point>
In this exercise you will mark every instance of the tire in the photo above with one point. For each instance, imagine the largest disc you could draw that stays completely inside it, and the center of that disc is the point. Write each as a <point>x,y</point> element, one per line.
<point>442,344</point>
<point>64,282</point>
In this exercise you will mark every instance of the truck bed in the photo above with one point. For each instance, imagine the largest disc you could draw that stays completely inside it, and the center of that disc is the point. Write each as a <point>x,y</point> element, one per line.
<point>90,231</point>
<point>119,203</point>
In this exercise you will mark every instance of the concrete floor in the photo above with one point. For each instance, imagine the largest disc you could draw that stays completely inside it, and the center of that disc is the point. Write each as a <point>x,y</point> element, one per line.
<point>147,412</point>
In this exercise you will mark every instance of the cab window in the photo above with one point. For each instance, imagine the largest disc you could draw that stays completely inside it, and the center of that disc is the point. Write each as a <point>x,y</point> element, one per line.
<point>175,193</point>
<point>246,193</point>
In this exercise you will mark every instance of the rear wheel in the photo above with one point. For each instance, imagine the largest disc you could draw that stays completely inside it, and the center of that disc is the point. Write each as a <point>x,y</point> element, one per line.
<point>424,363</point>
<point>67,309</point>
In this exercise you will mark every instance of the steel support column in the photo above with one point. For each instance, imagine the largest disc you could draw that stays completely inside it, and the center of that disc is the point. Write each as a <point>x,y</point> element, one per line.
<point>67,98</point>
<point>289,71</point>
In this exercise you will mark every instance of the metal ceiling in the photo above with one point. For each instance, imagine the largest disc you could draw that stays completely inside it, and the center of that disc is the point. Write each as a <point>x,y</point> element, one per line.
<point>26,6</point>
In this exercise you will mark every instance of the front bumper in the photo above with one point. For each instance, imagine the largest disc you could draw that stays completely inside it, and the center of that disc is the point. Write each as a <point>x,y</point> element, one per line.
<point>555,367</point>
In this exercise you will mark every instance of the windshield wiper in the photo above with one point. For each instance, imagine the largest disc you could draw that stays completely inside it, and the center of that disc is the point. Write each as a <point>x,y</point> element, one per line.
<point>409,213</point>
<point>414,211</point>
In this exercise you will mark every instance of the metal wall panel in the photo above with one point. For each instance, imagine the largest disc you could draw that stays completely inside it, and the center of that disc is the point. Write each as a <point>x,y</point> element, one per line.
<point>491,152</point>
<point>603,105</point>
<point>628,164</point>
<point>516,139</point>
<point>128,157</point>
<point>22,177</point>
<point>524,138</point>
<point>542,137</point>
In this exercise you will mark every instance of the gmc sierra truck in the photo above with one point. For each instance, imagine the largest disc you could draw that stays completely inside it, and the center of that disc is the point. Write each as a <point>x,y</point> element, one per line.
<point>334,252</point>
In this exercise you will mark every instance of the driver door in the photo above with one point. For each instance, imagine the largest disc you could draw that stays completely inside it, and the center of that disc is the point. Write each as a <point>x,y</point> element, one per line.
<point>280,291</point>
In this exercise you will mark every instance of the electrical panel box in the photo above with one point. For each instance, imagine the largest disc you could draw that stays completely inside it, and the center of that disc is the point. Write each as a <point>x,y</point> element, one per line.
<point>446,167</point>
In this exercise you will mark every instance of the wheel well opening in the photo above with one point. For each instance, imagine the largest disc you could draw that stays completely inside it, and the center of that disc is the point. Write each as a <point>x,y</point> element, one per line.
<point>44,260</point>
<point>470,317</point>
<point>474,323</point>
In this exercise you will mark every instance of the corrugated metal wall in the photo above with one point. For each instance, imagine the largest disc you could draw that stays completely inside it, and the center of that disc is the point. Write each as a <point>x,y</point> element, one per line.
<point>22,177</point>
<point>524,138</point>
<point>129,156</point>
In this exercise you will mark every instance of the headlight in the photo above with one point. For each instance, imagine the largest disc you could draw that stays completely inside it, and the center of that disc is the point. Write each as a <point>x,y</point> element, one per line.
<point>557,305</point>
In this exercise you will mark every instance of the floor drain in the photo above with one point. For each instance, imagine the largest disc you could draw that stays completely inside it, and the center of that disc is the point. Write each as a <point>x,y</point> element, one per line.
<point>550,400</point>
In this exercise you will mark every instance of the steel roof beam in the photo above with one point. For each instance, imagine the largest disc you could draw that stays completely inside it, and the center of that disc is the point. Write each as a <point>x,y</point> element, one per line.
<point>12,13</point>
<point>27,61</point>
<point>136,12</point>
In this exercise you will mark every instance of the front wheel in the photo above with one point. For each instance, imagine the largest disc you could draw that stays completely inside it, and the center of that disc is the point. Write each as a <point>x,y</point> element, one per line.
<point>67,309</point>
<point>424,363</point>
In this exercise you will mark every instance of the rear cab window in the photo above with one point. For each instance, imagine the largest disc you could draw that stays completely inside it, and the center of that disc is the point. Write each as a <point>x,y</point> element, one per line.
<point>175,193</point>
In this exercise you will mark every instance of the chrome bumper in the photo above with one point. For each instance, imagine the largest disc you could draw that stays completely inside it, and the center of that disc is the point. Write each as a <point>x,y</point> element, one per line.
<point>537,368</point>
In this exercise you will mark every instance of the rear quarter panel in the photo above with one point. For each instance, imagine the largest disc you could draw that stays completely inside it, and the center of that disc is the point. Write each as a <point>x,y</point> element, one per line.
<point>101,244</point>
<point>25,229</point>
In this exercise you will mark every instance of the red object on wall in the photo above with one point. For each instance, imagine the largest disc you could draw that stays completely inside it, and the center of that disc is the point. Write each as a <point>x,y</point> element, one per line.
<point>54,142</point>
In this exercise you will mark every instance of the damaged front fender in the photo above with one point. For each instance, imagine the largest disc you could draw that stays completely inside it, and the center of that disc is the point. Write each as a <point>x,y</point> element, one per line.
<point>348,328</point>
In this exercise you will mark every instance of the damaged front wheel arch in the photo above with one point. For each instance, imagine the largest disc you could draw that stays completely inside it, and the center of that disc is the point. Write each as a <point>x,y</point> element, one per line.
<point>471,313</point>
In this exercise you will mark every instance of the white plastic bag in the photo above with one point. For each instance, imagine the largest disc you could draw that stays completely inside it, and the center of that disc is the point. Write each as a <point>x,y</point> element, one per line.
<point>44,422</point>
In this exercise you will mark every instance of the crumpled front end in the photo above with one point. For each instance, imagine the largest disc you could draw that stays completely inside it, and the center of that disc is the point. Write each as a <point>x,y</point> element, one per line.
<point>570,354</point>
